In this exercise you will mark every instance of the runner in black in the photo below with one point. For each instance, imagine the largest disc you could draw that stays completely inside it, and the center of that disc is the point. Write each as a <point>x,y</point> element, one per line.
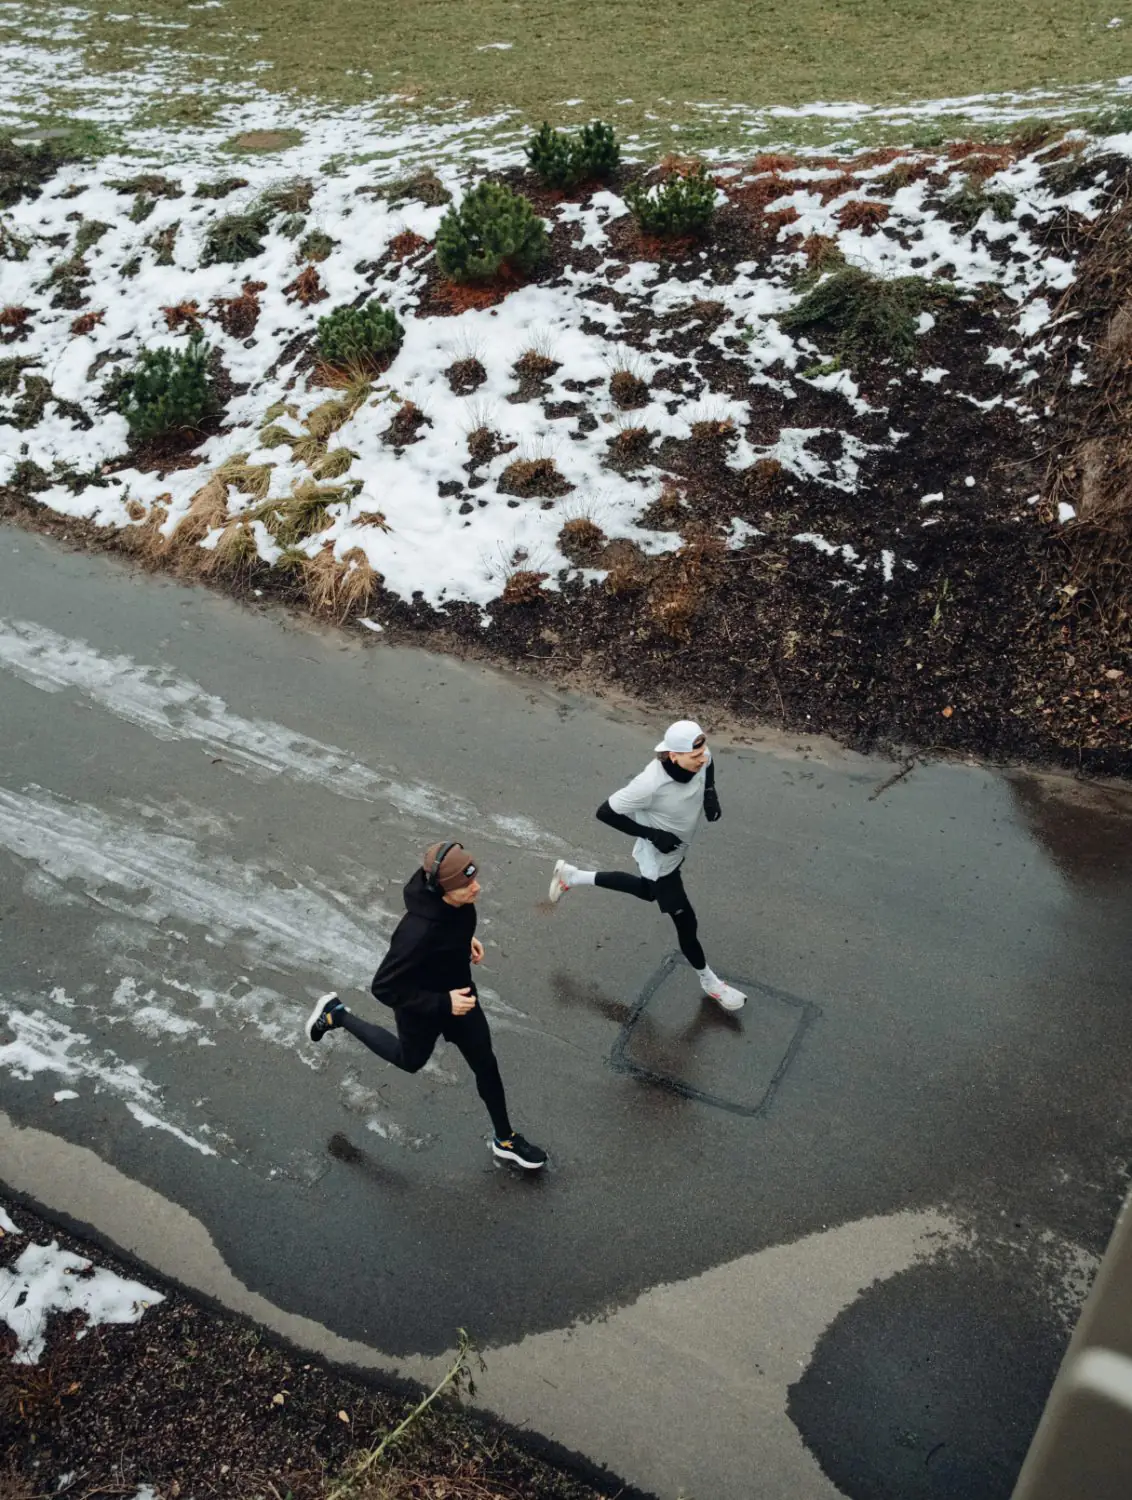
<point>426,979</point>
<point>663,808</point>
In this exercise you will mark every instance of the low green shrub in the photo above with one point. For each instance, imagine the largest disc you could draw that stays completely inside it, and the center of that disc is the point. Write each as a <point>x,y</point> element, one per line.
<point>24,169</point>
<point>868,315</point>
<point>679,206</point>
<point>359,338</point>
<point>316,246</point>
<point>493,227</point>
<point>90,232</point>
<point>971,200</point>
<point>236,237</point>
<point>562,161</point>
<point>167,389</point>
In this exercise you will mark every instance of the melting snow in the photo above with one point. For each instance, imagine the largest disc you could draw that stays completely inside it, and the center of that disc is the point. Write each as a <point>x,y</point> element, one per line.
<point>46,1279</point>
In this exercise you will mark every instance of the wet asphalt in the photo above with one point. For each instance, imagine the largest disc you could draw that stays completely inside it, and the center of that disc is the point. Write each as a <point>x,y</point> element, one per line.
<point>939,1017</point>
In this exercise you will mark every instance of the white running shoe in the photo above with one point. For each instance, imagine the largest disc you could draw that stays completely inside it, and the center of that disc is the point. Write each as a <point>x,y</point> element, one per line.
<point>723,994</point>
<point>560,880</point>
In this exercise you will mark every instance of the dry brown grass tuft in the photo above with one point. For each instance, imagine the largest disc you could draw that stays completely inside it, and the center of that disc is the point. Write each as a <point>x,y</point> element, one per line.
<point>14,324</point>
<point>628,568</point>
<point>328,417</point>
<point>308,449</point>
<point>713,430</point>
<point>627,390</point>
<point>630,443</point>
<point>763,478</point>
<point>535,364</point>
<point>339,587</point>
<point>531,477</point>
<point>581,540</point>
<point>136,510</point>
<point>405,428</point>
<point>523,587</point>
<point>667,512</point>
<point>682,582</point>
<point>372,518</point>
<point>333,464</point>
<point>306,288</point>
<point>207,510</point>
<point>253,480</point>
<point>235,551</point>
<point>304,512</point>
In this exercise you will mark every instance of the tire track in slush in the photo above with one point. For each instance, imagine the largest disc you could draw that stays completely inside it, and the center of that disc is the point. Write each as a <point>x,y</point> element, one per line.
<point>176,708</point>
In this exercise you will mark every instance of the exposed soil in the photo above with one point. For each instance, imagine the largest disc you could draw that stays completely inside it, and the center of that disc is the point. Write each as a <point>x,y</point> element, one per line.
<point>968,644</point>
<point>191,1401</point>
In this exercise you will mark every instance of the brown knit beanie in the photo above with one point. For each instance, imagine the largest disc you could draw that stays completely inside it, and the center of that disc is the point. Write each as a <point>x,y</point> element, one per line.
<point>457,868</point>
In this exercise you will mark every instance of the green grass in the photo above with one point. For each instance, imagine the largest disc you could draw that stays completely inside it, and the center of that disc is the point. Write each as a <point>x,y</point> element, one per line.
<point>664,55</point>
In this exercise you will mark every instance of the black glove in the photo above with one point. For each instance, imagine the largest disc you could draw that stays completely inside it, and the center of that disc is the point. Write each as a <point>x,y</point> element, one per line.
<point>661,839</point>
<point>712,810</point>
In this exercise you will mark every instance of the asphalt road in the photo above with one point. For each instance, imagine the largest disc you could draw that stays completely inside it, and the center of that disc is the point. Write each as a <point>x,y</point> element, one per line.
<point>833,1246</point>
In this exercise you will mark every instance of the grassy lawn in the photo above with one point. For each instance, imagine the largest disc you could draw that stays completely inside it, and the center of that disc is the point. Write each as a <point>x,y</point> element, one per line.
<point>644,64</point>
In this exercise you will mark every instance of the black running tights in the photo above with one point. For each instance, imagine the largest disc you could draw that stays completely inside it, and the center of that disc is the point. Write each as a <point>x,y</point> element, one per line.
<point>680,910</point>
<point>411,1047</point>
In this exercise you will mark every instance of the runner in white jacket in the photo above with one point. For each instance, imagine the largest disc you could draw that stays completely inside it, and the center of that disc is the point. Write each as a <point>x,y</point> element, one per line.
<point>663,808</point>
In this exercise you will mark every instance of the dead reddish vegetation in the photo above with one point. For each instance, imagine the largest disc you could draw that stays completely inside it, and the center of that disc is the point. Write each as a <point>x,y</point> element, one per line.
<point>523,587</point>
<point>86,322</point>
<point>864,214</point>
<point>182,315</point>
<point>781,219</point>
<point>754,196</point>
<point>450,298</point>
<point>402,245</point>
<point>878,158</point>
<point>771,161</point>
<point>239,315</point>
<point>14,320</point>
<point>306,288</point>
<point>836,187</point>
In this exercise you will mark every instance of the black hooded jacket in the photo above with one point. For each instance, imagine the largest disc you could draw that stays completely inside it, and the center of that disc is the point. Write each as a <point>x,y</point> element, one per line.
<point>430,952</point>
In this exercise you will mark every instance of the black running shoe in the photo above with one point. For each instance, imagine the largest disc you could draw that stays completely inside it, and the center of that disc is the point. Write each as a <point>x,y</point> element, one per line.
<point>521,1152</point>
<point>324,1017</point>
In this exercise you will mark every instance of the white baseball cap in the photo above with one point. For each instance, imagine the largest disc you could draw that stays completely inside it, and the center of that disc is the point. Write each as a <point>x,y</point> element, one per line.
<point>680,738</point>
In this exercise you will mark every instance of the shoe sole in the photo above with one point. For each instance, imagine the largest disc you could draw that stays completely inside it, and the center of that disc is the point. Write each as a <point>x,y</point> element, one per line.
<point>317,1015</point>
<point>530,1166</point>
<point>558,887</point>
<point>731,1005</point>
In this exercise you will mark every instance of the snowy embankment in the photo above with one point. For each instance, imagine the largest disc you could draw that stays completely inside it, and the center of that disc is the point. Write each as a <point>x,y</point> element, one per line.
<point>447,531</point>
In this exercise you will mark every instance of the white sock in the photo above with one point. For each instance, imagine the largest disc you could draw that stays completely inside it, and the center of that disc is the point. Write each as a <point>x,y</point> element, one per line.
<point>708,979</point>
<point>579,877</point>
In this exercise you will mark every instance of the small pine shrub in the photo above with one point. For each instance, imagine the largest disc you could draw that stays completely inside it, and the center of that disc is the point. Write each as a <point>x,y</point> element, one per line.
<point>364,338</point>
<point>236,237</point>
<point>550,157</point>
<point>317,245</point>
<point>678,207</point>
<point>167,389</point>
<point>869,315</point>
<point>562,161</point>
<point>493,227</point>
